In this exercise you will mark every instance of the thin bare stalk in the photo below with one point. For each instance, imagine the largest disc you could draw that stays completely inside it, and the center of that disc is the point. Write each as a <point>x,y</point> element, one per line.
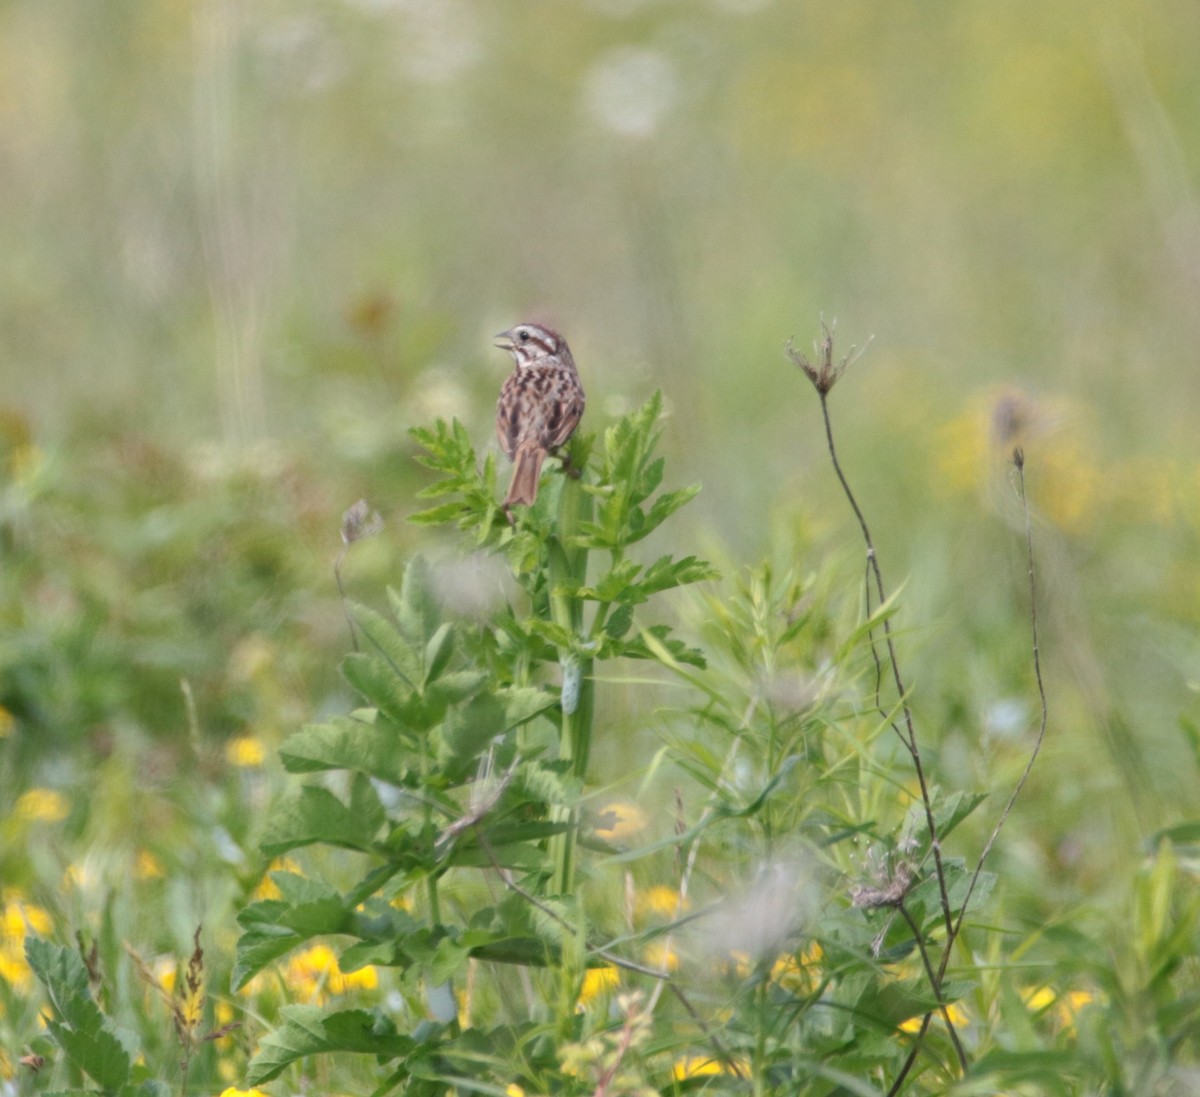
<point>1019,464</point>
<point>909,736</point>
<point>935,982</point>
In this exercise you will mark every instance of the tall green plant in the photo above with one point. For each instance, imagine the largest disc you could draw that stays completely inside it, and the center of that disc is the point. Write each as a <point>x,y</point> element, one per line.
<point>465,766</point>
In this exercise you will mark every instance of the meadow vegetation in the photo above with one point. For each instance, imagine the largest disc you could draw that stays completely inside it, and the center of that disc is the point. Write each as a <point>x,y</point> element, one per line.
<point>623,798</point>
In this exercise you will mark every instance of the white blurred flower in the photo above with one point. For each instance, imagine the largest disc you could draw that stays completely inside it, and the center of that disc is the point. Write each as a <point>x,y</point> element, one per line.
<point>778,904</point>
<point>631,89</point>
<point>471,587</point>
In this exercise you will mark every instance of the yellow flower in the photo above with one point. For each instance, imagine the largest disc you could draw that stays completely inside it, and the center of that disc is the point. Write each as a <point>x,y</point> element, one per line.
<point>660,901</point>
<point>41,805</point>
<point>619,820</point>
<point>1039,999</point>
<point>1061,1008</point>
<point>696,1066</point>
<point>798,974</point>
<point>662,956</point>
<point>245,751</point>
<point>233,1092</point>
<point>147,866</point>
<point>18,920</point>
<point>7,722</point>
<point>223,1013</point>
<point>266,887</point>
<point>958,1017</point>
<point>597,981</point>
<point>315,972</point>
<point>513,1090</point>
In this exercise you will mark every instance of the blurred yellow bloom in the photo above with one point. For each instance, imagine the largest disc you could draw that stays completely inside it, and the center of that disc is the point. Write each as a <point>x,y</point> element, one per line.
<point>661,956</point>
<point>223,1013</point>
<point>147,866</point>
<point>597,981</point>
<point>661,901</point>
<point>513,1090</point>
<point>958,1017</point>
<point>696,1066</point>
<point>41,805</point>
<point>14,970</point>
<point>619,819</point>
<point>315,972</point>
<point>1061,1008</point>
<point>1038,999</point>
<point>245,751</point>
<point>165,971</point>
<point>266,888</point>
<point>21,918</point>
<point>799,974</point>
<point>232,1092</point>
<point>18,920</point>
<point>973,446</point>
<point>7,722</point>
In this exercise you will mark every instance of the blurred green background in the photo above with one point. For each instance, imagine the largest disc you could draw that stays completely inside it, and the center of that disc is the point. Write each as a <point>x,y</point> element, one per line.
<point>245,247</point>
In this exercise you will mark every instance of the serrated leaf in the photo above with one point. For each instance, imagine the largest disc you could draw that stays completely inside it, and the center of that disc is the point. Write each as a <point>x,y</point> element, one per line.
<point>62,974</point>
<point>350,742</point>
<point>619,621</point>
<point>402,654</point>
<point>439,650</point>
<point>305,1031</point>
<point>316,815</point>
<point>416,606</point>
<point>99,1054</point>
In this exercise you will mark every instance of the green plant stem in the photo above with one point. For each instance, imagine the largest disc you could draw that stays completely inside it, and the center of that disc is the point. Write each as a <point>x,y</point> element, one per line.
<point>567,572</point>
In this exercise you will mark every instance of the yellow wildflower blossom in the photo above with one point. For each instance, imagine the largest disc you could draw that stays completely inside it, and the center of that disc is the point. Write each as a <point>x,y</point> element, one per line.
<point>245,751</point>
<point>618,820</point>
<point>8,722</point>
<point>661,956</point>
<point>315,972</point>
<point>697,1066</point>
<point>147,866</point>
<point>597,981</point>
<point>958,1017</point>
<point>660,901</point>
<point>41,805</point>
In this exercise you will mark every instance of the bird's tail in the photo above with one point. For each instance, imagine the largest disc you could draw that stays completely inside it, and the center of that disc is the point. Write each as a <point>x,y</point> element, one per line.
<point>527,470</point>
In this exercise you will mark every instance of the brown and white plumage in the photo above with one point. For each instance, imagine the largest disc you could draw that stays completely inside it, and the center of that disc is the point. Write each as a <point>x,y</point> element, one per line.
<point>540,405</point>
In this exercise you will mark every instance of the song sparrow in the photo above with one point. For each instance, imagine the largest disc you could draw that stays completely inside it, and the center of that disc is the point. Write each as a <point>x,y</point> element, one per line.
<point>540,405</point>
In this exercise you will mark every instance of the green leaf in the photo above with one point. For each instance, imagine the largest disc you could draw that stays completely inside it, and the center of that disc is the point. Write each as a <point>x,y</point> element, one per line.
<point>619,622</point>
<point>378,683</point>
<point>438,651</point>
<point>666,573</point>
<point>316,815</point>
<point>416,606</point>
<point>402,654</point>
<point>98,1054</point>
<point>364,742</point>
<point>663,507</point>
<point>274,927</point>
<point>78,1027</point>
<point>305,1031</point>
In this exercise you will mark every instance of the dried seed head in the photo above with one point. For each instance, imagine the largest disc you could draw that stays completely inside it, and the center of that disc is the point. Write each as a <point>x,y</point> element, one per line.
<point>360,522</point>
<point>824,375</point>
<point>891,881</point>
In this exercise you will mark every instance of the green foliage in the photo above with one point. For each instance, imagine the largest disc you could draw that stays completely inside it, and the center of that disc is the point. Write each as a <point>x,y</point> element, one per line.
<point>90,1041</point>
<point>447,777</point>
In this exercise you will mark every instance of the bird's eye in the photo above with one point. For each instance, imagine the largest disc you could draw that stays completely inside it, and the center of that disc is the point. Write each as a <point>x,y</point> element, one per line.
<point>523,335</point>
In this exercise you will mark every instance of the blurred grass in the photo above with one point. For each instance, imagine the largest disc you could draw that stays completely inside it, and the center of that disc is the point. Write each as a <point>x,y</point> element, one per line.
<point>244,247</point>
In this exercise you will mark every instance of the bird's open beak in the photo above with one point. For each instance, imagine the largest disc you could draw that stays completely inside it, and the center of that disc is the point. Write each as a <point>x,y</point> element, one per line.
<point>507,343</point>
